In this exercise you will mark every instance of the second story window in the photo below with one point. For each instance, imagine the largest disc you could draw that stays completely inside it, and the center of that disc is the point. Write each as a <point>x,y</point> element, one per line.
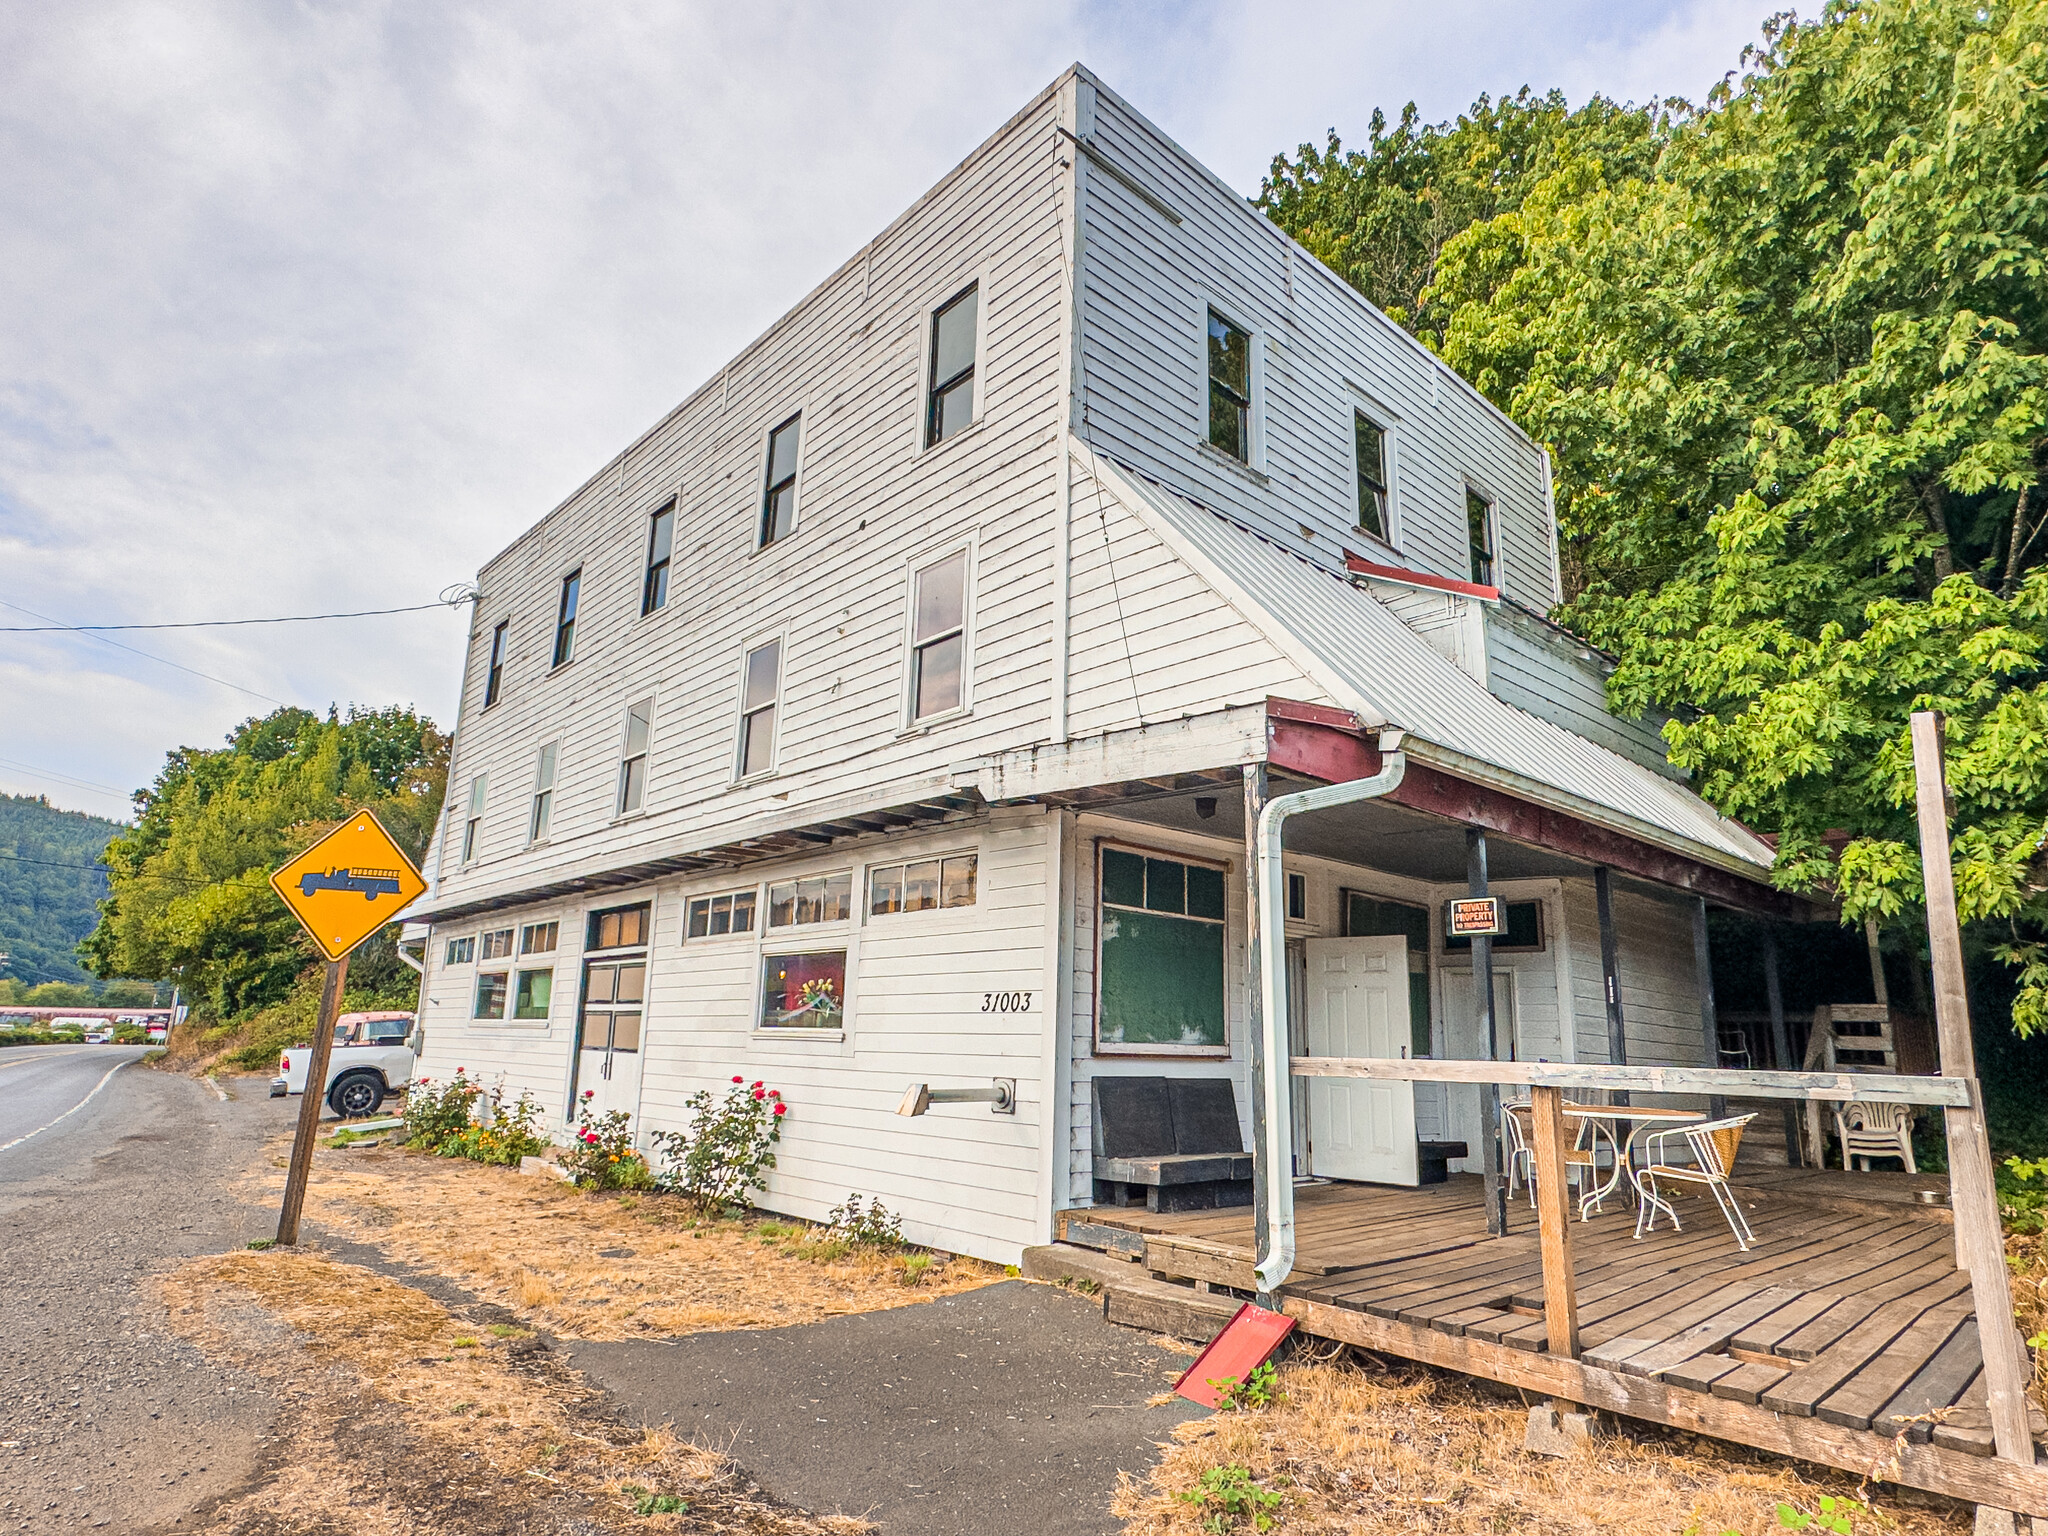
<point>938,639</point>
<point>1479,528</point>
<point>543,794</point>
<point>1230,388</point>
<point>494,678</point>
<point>473,823</point>
<point>758,691</point>
<point>661,534</point>
<point>633,757</point>
<point>1371,442</point>
<point>951,403</point>
<point>778,501</point>
<point>565,619</point>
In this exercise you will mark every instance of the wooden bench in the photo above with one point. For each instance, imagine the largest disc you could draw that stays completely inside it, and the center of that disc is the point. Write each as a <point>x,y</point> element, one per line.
<point>1172,1143</point>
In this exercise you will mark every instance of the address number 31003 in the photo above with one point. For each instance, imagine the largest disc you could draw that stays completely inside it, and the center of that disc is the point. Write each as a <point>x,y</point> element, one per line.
<point>1006,1002</point>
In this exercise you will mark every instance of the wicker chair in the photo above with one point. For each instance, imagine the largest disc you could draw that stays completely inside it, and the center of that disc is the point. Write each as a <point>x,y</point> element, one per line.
<point>1875,1130</point>
<point>1713,1146</point>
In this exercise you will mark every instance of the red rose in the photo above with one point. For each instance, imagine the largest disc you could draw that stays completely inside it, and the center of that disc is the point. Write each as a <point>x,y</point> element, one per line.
<point>758,1094</point>
<point>782,1109</point>
<point>757,1082</point>
<point>739,1079</point>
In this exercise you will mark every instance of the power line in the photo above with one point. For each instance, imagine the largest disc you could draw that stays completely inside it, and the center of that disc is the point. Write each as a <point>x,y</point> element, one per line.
<point>101,869</point>
<point>61,778</point>
<point>145,655</point>
<point>290,618</point>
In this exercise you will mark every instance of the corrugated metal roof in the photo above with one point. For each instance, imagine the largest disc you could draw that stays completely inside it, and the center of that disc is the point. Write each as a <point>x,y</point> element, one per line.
<point>1356,647</point>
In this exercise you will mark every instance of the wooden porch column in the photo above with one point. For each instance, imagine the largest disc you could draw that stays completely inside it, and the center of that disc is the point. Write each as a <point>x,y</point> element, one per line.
<point>1489,1093</point>
<point>1980,1245</point>
<point>1710,1023</point>
<point>1610,973</point>
<point>1554,1223</point>
<point>1781,1040</point>
<point>1255,796</point>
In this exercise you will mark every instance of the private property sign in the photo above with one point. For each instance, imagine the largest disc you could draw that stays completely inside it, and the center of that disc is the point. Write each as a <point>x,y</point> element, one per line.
<point>348,885</point>
<point>1470,917</point>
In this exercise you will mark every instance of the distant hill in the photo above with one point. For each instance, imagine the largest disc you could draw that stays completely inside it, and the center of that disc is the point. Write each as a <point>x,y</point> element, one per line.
<point>45,906</point>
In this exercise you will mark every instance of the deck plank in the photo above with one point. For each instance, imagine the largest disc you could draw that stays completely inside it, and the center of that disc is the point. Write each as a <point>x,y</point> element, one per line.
<point>1936,1385</point>
<point>1855,1403</point>
<point>1748,1384</point>
<point>1801,1391</point>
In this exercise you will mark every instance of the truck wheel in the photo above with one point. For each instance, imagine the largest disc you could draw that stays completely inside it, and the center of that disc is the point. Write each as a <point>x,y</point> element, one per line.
<point>359,1093</point>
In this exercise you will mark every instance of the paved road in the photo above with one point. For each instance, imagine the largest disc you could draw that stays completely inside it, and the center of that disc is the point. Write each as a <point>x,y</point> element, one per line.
<point>1011,1408</point>
<point>108,1422</point>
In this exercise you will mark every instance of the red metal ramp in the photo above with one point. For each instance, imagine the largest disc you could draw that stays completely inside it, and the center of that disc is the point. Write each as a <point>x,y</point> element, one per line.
<point>1246,1342</point>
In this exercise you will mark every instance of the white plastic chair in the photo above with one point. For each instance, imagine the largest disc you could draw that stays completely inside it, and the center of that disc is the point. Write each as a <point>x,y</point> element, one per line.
<point>1875,1130</point>
<point>1713,1146</point>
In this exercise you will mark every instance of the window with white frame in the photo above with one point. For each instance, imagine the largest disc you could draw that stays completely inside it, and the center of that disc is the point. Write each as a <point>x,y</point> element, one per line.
<point>565,618</point>
<point>712,917</point>
<point>811,899</point>
<point>473,823</point>
<point>1370,440</point>
<point>922,885</point>
<point>633,757</point>
<point>760,686</point>
<point>661,533</point>
<point>804,990</point>
<point>539,938</point>
<point>938,640</point>
<point>461,951</point>
<point>534,993</point>
<point>950,403</point>
<point>778,499</point>
<point>1159,976</point>
<point>490,995</point>
<point>1230,388</point>
<point>1479,537</point>
<point>543,807</point>
<point>498,944</point>
<point>494,677</point>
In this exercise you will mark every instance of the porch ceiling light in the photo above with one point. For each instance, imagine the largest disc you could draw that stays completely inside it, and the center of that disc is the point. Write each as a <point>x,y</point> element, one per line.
<point>1000,1097</point>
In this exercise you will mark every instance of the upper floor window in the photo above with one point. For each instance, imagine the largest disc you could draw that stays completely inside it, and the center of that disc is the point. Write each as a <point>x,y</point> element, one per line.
<point>1479,530</point>
<point>462,951</point>
<point>711,916</point>
<point>539,938</point>
<point>473,823</point>
<point>661,533</point>
<point>811,899</point>
<point>922,886</point>
<point>951,403</point>
<point>759,689</point>
<point>494,678</point>
<point>1371,442</point>
<point>543,794</point>
<point>565,618</point>
<point>1230,388</point>
<point>778,501</point>
<point>618,928</point>
<point>498,944</point>
<point>633,757</point>
<point>938,639</point>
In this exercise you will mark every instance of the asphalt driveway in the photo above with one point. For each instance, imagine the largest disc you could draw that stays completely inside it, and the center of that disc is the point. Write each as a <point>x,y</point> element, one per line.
<point>1011,1408</point>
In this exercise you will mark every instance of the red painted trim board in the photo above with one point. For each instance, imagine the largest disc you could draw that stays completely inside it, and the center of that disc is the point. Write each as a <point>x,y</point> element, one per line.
<point>1246,1342</point>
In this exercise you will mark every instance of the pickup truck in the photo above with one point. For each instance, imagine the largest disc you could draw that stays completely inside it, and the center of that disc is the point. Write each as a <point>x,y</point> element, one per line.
<point>372,1059</point>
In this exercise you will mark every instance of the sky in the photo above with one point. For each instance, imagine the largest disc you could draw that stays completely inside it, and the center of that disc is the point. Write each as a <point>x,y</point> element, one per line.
<point>308,308</point>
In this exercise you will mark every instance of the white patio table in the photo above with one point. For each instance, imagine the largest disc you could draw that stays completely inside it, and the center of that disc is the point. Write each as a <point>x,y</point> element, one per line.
<point>1640,1118</point>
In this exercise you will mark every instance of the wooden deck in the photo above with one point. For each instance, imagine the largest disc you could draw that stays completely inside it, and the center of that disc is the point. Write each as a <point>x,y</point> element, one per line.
<point>1844,1336</point>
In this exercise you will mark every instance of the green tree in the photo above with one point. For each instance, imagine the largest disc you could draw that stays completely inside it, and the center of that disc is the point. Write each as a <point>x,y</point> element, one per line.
<point>190,882</point>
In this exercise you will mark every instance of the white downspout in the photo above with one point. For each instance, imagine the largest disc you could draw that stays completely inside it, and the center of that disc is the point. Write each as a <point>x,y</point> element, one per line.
<point>1275,1152</point>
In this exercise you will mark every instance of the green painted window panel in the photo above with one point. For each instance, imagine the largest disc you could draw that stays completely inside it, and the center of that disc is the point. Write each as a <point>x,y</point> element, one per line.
<point>1162,980</point>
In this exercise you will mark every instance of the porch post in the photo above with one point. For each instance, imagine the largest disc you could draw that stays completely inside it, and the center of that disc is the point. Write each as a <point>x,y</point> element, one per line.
<point>1610,973</point>
<point>1710,1024</point>
<point>1255,794</point>
<point>1489,1093</point>
<point>1781,1042</point>
<point>1980,1245</point>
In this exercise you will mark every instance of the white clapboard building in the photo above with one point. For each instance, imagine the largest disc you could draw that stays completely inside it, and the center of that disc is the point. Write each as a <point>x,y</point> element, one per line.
<point>886,713</point>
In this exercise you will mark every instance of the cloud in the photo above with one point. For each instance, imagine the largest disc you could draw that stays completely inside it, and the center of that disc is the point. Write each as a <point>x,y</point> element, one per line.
<point>316,307</point>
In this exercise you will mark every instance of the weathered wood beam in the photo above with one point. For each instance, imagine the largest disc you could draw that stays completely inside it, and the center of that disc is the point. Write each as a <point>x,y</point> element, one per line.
<point>1825,1086</point>
<point>1554,1222</point>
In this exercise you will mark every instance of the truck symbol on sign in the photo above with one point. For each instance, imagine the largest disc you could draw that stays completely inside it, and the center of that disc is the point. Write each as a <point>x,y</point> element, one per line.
<point>371,882</point>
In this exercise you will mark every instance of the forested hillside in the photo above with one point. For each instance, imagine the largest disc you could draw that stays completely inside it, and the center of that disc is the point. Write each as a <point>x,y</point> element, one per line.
<point>1788,348</point>
<point>47,901</point>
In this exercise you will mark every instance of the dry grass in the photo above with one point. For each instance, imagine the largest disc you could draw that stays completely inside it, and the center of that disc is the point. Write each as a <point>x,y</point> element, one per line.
<point>402,1417</point>
<point>1357,1447</point>
<point>591,1266</point>
<point>2028,1257</point>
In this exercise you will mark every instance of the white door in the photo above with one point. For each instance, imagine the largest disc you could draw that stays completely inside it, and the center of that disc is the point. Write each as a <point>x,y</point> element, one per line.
<point>1358,1006</point>
<point>608,1036</point>
<point>1465,1040</point>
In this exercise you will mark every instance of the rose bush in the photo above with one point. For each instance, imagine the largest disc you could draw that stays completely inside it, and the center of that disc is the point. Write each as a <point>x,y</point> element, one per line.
<point>726,1153</point>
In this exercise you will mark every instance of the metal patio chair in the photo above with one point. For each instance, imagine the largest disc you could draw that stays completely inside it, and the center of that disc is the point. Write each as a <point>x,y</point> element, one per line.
<point>1713,1146</point>
<point>1521,1156</point>
<point>1875,1130</point>
<point>1581,1158</point>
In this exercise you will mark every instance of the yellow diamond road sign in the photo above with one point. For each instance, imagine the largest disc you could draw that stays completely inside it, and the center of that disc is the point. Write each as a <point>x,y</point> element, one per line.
<point>348,885</point>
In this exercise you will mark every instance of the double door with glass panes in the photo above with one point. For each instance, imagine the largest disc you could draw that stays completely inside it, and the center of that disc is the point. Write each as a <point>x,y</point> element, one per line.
<point>608,1026</point>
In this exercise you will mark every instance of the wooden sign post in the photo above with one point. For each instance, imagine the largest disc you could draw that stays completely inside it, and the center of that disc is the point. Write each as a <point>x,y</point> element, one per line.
<point>338,889</point>
<point>1980,1244</point>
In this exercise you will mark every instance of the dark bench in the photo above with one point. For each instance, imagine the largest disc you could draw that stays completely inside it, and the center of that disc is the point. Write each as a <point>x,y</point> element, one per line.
<point>1171,1142</point>
<point>1433,1159</point>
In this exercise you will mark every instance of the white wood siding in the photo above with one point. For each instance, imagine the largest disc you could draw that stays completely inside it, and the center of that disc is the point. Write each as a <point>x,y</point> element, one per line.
<point>1659,986</point>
